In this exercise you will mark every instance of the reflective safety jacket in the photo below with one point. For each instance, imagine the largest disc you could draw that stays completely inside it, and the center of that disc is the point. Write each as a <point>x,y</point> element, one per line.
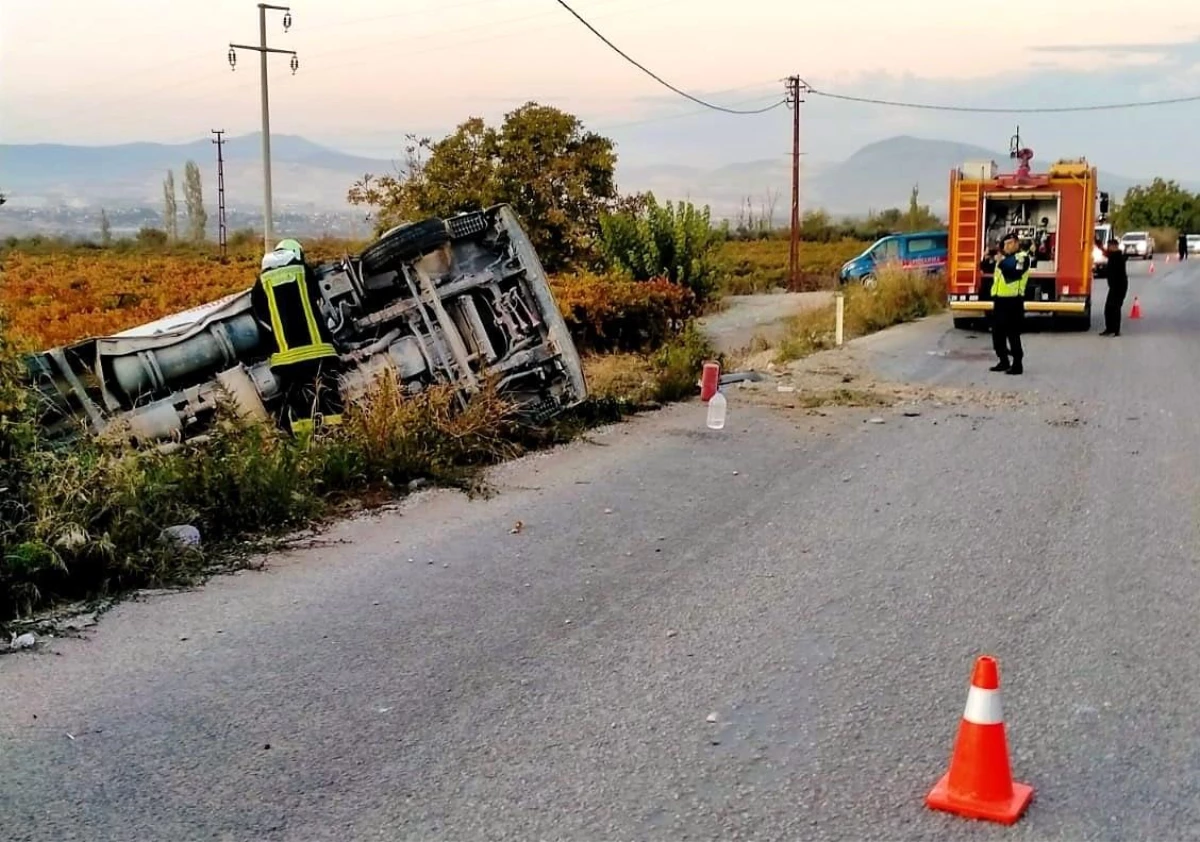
<point>1011,275</point>
<point>286,295</point>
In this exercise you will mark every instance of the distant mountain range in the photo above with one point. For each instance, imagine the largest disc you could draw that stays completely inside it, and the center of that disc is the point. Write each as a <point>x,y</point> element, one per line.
<point>50,180</point>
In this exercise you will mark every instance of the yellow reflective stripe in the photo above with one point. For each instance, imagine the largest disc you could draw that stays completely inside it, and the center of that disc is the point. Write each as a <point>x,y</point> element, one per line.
<point>303,354</point>
<point>277,278</point>
<point>314,333</point>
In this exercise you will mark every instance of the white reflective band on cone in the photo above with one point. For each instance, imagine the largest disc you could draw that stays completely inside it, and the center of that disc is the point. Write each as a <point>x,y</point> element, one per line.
<point>983,707</point>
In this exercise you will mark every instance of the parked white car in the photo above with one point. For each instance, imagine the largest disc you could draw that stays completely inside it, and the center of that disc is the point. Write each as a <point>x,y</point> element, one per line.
<point>1138,243</point>
<point>1193,243</point>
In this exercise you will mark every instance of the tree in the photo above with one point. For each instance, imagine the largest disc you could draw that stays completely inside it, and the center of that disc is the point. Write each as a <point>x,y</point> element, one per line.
<point>1163,204</point>
<point>557,176</point>
<point>105,229</point>
<point>170,209</point>
<point>672,241</point>
<point>919,216</point>
<point>193,197</point>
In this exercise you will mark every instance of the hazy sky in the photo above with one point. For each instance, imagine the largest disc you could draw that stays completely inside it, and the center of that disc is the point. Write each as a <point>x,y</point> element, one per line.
<point>106,71</point>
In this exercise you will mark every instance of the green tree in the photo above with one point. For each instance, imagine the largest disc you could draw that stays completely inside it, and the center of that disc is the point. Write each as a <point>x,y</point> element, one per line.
<point>193,198</point>
<point>170,208</point>
<point>676,241</point>
<point>105,229</point>
<point>1162,204</point>
<point>557,176</point>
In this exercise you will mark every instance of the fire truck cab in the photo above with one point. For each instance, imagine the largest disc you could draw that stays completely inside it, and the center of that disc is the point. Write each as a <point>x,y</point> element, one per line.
<point>1054,214</point>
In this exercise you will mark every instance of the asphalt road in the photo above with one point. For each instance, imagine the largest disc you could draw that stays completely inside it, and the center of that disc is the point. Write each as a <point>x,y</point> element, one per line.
<point>821,584</point>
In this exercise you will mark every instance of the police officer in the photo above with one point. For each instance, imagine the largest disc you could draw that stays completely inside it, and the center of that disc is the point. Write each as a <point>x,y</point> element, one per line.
<point>1009,279</point>
<point>305,361</point>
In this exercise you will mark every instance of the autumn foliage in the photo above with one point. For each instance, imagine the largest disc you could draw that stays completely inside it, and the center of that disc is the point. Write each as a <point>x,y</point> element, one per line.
<point>55,299</point>
<point>59,298</point>
<point>611,313</point>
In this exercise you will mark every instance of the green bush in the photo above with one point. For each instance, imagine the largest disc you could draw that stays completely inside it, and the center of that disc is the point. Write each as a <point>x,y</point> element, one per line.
<point>675,241</point>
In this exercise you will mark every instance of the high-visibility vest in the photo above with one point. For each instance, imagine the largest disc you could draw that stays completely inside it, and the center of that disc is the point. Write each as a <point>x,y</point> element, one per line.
<point>1002,288</point>
<point>297,335</point>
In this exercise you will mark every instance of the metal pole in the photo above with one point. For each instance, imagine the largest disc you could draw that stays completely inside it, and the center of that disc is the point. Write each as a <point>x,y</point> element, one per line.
<point>222,236</point>
<point>268,214</point>
<point>262,49</point>
<point>794,235</point>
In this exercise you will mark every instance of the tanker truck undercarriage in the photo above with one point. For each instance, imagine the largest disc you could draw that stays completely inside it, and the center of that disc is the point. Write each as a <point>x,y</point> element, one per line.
<point>460,301</point>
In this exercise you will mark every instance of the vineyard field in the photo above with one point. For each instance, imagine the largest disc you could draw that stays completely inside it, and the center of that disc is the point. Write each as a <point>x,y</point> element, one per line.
<point>52,298</point>
<point>750,266</point>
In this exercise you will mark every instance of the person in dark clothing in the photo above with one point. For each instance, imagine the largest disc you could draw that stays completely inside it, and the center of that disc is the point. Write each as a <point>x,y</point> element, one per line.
<point>1010,276</point>
<point>1183,250</point>
<point>1118,288</point>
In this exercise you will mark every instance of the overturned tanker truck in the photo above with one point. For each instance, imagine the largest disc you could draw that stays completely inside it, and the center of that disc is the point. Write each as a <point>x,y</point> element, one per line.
<point>460,301</point>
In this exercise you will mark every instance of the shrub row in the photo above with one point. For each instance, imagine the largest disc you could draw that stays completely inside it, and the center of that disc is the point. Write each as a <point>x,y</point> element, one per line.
<point>608,313</point>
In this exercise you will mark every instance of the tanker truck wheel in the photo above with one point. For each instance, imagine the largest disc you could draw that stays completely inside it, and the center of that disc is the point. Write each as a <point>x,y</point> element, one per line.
<point>403,243</point>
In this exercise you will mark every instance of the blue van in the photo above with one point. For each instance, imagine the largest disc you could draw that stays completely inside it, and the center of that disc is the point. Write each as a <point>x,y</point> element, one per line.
<point>927,250</point>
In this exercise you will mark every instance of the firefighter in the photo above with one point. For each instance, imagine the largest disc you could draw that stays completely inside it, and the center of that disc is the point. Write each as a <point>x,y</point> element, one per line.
<point>305,361</point>
<point>1009,279</point>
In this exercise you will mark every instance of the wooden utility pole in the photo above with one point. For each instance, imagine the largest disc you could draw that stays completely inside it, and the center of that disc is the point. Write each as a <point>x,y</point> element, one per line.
<point>221,230</point>
<point>794,87</point>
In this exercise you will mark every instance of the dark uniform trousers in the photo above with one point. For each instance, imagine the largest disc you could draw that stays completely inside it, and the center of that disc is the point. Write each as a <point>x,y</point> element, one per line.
<point>1008,317</point>
<point>1113,302</point>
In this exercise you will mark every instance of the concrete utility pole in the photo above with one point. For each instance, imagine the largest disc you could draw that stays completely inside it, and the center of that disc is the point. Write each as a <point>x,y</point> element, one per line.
<point>222,234</point>
<point>794,89</point>
<point>262,49</point>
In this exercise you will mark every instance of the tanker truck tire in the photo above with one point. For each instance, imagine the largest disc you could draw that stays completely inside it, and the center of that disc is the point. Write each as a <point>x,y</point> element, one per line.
<point>402,244</point>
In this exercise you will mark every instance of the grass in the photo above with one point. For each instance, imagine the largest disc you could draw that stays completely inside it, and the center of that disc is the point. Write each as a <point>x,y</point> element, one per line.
<point>898,297</point>
<point>86,522</point>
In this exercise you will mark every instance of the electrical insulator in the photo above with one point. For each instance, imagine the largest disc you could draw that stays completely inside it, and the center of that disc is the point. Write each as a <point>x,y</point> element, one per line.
<point>295,65</point>
<point>287,21</point>
<point>232,59</point>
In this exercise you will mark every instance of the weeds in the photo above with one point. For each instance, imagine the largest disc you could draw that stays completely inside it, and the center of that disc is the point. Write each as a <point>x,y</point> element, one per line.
<point>897,297</point>
<point>668,374</point>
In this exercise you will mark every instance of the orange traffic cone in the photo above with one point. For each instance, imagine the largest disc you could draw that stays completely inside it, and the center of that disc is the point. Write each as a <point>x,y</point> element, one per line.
<point>1136,312</point>
<point>979,784</point>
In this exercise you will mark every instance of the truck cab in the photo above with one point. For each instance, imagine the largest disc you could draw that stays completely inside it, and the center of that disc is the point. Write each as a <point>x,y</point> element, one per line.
<point>925,250</point>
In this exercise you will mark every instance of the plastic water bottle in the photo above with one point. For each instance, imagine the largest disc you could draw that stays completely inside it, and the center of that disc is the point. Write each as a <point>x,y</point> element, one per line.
<point>716,411</point>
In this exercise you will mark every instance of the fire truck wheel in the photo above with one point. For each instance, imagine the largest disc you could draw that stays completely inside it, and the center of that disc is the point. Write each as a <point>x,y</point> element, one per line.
<point>403,243</point>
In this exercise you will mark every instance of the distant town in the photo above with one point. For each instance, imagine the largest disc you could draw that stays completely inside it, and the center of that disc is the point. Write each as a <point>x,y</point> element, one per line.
<point>84,223</point>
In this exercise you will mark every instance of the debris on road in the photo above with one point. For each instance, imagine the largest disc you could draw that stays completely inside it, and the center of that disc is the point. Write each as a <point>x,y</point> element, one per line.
<point>182,536</point>
<point>712,717</point>
<point>24,641</point>
<point>516,529</point>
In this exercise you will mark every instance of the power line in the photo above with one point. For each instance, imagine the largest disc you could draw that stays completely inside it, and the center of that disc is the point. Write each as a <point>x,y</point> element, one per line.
<point>1112,106</point>
<point>658,78</point>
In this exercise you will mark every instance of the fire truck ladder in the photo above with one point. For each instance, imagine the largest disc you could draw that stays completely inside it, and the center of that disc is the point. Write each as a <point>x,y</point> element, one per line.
<point>968,196</point>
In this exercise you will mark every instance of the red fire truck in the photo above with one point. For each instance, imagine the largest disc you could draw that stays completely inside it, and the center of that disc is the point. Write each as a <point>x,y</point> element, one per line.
<point>1055,215</point>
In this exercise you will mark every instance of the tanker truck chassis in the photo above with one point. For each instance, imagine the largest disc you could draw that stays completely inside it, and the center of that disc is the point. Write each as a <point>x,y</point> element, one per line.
<point>458,301</point>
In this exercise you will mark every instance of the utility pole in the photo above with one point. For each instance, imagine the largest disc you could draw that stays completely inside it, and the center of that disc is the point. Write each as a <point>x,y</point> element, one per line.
<point>221,232</point>
<point>794,88</point>
<point>262,49</point>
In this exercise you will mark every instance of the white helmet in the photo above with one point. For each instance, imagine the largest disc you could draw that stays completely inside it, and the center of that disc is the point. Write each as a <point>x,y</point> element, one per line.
<point>286,253</point>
